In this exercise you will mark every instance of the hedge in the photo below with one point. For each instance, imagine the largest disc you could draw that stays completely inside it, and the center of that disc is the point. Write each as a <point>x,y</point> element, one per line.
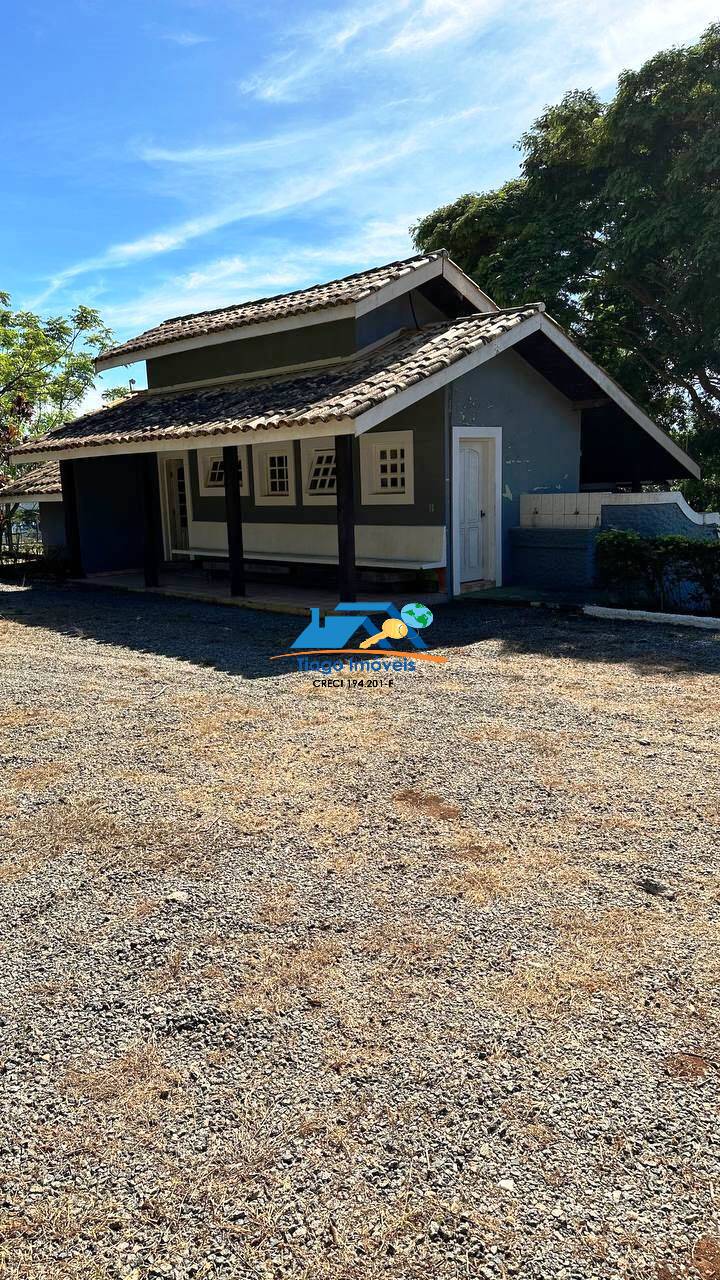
<point>660,573</point>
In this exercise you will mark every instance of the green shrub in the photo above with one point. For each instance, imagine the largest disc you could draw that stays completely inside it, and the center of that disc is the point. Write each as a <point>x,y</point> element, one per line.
<point>660,573</point>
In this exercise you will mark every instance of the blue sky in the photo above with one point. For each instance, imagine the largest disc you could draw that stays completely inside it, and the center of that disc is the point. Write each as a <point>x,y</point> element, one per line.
<point>166,156</point>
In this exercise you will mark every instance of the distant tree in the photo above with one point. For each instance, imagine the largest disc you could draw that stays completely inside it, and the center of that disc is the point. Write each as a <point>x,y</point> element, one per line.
<point>113,395</point>
<point>615,224</point>
<point>46,366</point>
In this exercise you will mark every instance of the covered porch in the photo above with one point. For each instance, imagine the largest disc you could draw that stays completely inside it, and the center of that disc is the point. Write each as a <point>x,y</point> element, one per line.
<point>155,531</point>
<point>191,582</point>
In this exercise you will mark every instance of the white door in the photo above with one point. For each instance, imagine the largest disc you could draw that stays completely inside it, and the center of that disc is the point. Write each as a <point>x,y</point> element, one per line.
<point>476,519</point>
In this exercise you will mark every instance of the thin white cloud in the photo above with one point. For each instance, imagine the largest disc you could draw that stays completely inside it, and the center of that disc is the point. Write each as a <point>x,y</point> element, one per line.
<point>440,21</point>
<point>186,39</point>
<point>434,93</point>
<point>287,189</point>
<point>279,267</point>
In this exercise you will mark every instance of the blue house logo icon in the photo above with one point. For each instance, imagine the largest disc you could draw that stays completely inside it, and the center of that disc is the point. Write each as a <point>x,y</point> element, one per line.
<point>337,629</point>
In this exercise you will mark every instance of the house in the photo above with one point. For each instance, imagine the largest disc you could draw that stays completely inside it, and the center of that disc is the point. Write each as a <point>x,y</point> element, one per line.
<point>392,421</point>
<point>40,486</point>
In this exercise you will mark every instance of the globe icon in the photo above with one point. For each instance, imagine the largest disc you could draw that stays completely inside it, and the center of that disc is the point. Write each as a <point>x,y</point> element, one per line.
<point>416,615</point>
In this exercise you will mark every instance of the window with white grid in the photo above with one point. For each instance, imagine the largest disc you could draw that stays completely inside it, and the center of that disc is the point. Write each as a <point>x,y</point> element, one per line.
<point>274,472</point>
<point>215,478</point>
<point>278,475</point>
<point>390,469</point>
<point>322,474</point>
<point>386,467</point>
<point>211,472</point>
<point>317,465</point>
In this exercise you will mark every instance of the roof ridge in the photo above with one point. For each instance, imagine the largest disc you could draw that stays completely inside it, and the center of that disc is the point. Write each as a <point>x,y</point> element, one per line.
<point>290,293</point>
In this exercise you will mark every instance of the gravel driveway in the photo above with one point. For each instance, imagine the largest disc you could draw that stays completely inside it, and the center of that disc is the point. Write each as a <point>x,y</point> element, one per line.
<point>318,982</point>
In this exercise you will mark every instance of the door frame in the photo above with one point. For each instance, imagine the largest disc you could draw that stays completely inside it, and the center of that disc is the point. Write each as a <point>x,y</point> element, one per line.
<point>475,433</point>
<point>162,459</point>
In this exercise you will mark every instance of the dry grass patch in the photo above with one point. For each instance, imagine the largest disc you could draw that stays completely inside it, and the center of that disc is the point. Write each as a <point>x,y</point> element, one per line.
<point>38,777</point>
<point>136,1082</point>
<point>489,869</point>
<point>278,906</point>
<point>272,980</point>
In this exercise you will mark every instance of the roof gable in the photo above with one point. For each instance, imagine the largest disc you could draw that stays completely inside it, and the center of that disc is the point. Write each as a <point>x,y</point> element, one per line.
<point>349,296</point>
<point>42,482</point>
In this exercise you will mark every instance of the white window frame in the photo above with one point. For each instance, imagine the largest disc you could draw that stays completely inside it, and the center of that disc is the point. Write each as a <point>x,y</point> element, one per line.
<point>260,455</point>
<point>308,451</point>
<point>205,459</point>
<point>370,443</point>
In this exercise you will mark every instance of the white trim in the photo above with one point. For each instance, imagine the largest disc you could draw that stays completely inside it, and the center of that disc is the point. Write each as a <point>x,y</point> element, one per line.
<point>237,334</point>
<point>262,497</point>
<point>673,495</point>
<point>308,449</point>
<point>616,393</point>
<point>643,615</point>
<point>475,433</point>
<point>539,321</point>
<point>174,444</point>
<point>410,396</point>
<point>370,493</point>
<point>467,287</point>
<point>411,279</point>
<point>213,455</point>
<point>34,498</point>
<point>178,456</point>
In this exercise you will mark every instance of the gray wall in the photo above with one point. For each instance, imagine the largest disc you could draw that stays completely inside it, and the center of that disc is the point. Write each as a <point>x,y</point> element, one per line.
<point>52,526</point>
<point>425,419</point>
<point>541,432</point>
<point>109,496</point>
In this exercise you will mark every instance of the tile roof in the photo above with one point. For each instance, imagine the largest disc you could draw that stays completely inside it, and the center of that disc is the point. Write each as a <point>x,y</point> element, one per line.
<point>318,297</point>
<point>40,482</point>
<point>312,399</point>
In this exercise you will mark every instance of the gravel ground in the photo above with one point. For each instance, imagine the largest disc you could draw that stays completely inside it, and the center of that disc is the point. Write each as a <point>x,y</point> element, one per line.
<point>410,982</point>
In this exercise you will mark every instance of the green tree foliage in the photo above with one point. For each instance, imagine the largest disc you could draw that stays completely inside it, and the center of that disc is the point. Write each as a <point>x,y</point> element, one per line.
<point>46,366</point>
<point>615,224</point>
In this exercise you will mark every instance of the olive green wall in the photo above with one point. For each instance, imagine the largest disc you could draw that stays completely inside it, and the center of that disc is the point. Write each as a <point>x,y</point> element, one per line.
<point>268,351</point>
<point>426,419</point>
<point>290,347</point>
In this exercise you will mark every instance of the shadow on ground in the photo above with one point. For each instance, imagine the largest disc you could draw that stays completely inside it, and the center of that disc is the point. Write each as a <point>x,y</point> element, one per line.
<point>241,641</point>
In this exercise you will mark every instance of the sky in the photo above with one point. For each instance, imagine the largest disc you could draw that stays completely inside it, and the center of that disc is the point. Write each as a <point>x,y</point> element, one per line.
<point>168,156</point>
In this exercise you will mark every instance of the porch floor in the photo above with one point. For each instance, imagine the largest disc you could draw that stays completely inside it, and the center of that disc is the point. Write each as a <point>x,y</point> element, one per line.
<point>272,597</point>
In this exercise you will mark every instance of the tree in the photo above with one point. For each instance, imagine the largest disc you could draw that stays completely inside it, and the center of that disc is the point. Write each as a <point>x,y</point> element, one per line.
<point>46,366</point>
<point>614,223</point>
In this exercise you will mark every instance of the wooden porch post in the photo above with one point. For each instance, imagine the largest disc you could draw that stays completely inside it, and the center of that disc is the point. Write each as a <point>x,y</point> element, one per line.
<point>233,516</point>
<point>151,518</point>
<point>72,522</point>
<point>345,516</point>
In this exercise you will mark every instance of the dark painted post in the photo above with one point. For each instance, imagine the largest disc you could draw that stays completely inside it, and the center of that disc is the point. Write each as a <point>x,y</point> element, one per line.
<point>68,483</point>
<point>345,516</point>
<point>151,518</point>
<point>233,517</point>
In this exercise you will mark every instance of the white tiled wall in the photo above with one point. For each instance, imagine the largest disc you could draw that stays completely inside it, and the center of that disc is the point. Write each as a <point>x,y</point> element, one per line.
<point>561,510</point>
